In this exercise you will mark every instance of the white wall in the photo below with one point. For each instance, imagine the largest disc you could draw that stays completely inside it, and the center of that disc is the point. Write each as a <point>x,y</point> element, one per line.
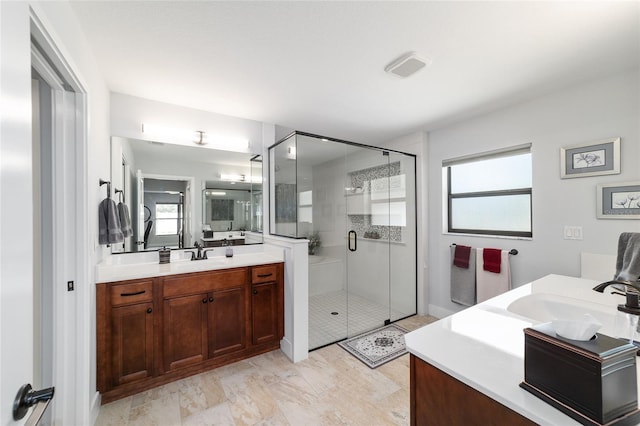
<point>129,112</point>
<point>601,109</point>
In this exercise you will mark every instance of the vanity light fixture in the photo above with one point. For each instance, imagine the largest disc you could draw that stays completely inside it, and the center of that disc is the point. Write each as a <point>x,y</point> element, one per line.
<point>233,178</point>
<point>216,193</point>
<point>179,136</point>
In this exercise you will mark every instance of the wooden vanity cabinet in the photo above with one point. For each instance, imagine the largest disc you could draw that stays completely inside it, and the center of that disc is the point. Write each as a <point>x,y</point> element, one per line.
<point>227,321</point>
<point>156,330</point>
<point>125,332</point>
<point>437,398</point>
<point>267,310</point>
<point>204,316</point>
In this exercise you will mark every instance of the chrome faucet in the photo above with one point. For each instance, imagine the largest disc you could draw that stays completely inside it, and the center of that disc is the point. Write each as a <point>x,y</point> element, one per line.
<point>230,226</point>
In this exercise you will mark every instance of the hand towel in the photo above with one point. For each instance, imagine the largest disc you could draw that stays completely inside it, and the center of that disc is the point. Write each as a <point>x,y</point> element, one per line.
<point>461,256</point>
<point>463,280</point>
<point>125,220</point>
<point>109,231</point>
<point>491,260</point>
<point>490,284</point>
<point>628,260</point>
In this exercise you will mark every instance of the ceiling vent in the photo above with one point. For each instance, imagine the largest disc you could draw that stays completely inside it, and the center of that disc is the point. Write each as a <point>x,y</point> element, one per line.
<point>407,64</point>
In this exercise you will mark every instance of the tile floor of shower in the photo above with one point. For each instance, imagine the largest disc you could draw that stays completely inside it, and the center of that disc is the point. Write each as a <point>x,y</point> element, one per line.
<point>332,314</point>
<point>331,387</point>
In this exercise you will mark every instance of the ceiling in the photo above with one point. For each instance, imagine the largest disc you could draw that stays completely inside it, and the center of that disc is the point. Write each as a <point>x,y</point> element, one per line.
<point>319,66</point>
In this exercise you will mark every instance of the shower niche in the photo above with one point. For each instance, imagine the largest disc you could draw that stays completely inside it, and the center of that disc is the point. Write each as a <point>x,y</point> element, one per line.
<point>356,205</point>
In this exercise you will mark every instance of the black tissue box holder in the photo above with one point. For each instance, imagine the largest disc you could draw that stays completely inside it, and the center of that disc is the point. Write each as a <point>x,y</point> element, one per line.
<point>593,381</point>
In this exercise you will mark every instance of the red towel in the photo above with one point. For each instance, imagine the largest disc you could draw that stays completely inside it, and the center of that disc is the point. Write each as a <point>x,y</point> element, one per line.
<point>461,256</point>
<point>491,258</point>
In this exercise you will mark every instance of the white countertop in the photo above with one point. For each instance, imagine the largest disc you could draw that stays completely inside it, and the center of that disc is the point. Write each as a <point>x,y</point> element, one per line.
<point>118,271</point>
<point>483,346</point>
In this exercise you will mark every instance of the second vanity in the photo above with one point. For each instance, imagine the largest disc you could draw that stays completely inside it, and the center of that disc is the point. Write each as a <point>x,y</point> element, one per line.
<point>157,323</point>
<point>222,238</point>
<point>466,368</point>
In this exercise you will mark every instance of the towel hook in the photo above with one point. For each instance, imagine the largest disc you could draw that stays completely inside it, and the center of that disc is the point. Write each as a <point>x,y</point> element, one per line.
<point>120,193</point>
<point>102,182</point>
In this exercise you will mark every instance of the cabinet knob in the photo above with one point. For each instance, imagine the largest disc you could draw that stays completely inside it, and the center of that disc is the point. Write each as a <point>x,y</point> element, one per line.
<point>211,299</point>
<point>255,291</point>
<point>204,300</point>
<point>149,310</point>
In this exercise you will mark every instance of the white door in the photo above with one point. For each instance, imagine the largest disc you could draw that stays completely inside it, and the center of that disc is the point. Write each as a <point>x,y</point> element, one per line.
<point>23,344</point>
<point>142,213</point>
<point>16,207</point>
<point>186,236</point>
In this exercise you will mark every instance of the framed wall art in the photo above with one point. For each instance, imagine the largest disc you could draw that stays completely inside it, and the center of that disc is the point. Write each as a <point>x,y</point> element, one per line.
<point>618,200</point>
<point>591,159</point>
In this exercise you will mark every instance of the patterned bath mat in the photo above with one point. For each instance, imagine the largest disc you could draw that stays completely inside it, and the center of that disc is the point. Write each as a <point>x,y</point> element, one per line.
<point>377,347</point>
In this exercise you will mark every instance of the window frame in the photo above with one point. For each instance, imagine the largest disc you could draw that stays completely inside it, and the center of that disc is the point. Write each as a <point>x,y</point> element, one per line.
<point>158,220</point>
<point>493,193</point>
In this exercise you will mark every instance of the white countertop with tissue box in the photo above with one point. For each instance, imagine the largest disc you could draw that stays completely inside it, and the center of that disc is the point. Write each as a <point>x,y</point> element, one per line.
<point>129,266</point>
<point>483,346</point>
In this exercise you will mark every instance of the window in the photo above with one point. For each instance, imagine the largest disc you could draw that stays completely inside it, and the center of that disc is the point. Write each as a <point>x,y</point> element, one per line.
<point>167,219</point>
<point>305,206</point>
<point>490,193</point>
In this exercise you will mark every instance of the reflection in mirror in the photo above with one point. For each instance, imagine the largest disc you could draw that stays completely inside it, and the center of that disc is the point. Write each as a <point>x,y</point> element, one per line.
<point>161,183</point>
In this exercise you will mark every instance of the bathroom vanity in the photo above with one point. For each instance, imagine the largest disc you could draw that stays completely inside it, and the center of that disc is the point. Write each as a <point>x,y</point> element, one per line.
<point>220,239</point>
<point>159,323</point>
<point>467,368</point>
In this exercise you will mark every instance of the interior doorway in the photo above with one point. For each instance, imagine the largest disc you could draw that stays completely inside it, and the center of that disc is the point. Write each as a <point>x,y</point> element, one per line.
<point>59,231</point>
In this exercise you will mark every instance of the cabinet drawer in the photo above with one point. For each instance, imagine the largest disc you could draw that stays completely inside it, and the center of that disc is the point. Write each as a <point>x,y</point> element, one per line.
<point>129,293</point>
<point>204,282</point>
<point>263,274</point>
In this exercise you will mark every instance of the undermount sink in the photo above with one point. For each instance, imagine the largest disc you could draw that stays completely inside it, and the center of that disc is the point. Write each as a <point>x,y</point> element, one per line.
<point>546,307</point>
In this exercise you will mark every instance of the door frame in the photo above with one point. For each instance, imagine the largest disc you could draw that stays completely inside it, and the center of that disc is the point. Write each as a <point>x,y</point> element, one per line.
<point>73,322</point>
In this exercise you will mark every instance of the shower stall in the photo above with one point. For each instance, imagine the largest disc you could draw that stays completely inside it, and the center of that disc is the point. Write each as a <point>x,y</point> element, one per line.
<point>356,205</point>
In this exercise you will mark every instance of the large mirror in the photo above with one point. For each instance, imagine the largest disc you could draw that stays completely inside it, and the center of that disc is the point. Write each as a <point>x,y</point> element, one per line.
<point>178,195</point>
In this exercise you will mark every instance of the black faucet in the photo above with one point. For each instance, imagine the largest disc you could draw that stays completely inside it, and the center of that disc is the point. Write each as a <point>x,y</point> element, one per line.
<point>631,292</point>
<point>201,254</point>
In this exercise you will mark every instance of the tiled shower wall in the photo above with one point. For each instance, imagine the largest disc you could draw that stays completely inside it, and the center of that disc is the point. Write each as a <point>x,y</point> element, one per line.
<point>361,223</point>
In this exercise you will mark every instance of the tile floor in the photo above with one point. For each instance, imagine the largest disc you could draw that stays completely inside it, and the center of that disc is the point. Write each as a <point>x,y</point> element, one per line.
<point>331,387</point>
<point>361,316</point>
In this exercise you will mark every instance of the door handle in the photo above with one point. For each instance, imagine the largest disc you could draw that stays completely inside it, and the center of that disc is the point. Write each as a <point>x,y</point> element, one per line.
<point>27,398</point>
<point>353,238</point>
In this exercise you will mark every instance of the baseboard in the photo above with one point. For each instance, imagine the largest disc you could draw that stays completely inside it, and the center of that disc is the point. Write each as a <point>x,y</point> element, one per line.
<point>439,312</point>
<point>287,348</point>
<point>95,407</point>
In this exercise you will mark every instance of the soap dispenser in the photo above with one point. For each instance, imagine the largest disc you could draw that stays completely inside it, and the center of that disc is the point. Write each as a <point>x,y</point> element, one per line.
<point>228,252</point>
<point>164,255</point>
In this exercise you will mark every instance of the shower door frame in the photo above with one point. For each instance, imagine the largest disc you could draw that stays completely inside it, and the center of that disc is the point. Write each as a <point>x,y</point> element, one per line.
<point>322,139</point>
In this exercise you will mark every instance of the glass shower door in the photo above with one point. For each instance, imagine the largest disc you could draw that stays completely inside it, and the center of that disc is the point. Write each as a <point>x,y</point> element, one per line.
<point>402,236</point>
<point>367,203</point>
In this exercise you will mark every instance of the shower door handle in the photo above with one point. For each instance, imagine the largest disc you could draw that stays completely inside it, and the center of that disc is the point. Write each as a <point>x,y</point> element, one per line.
<point>353,241</point>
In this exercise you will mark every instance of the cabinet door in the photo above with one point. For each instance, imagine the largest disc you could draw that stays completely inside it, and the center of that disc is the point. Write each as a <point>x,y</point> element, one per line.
<point>265,312</point>
<point>227,321</point>
<point>132,343</point>
<point>185,330</point>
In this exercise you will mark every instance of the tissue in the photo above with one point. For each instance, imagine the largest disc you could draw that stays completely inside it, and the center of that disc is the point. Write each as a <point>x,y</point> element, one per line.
<point>582,329</point>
